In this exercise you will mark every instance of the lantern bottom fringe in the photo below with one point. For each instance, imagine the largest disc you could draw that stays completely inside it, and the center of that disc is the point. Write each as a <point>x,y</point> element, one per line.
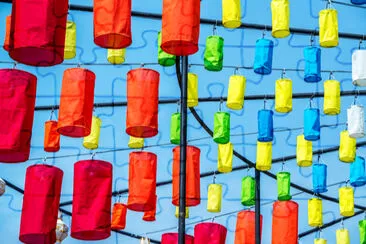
<point>347,213</point>
<point>262,70</point>
<point>73,131</point>
<point>224,169</point>
<point>320,190</point>
<point>190,202</point>
<point>213,210</point>
<point>281,33</point>
<point>312,78</point>
<point>332,111</point>
<point>328,44</point>
<point>231,24</point>
<point>214,68</point>
<point>69,54</point>
<point>312,137</point>
<point>263,167</point>
<point>139,204</point>
<point>179,47</point>
<point>149,219</point>
<point>359,82</point>
<point>284,109</point>
<point>357,135</point>
<point>166,62</point>
<point>248,203</point>
<point>90,145</point>
<point>38,238</point>
<point>234,106</point>
<point>51,149</point>
<point>316,224</point>
<point>221,140</point>
<point>116,60</point>
<point>37,56</point>
<point>175,141</point>
<point>117,227</point>
<point>304,163</point>
<point>142,131</point>
<point>359,182</point>
<point>284,198</point>
<point>91,235</point>
<point>113,41</point>
<point>346,159</point>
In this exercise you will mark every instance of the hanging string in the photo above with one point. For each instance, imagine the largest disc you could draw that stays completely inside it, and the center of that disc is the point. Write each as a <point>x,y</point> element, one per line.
<point>264,101</point>
<point>283,164</point>
<point>312,39</point>
<point>264,31</point>
<point>283,74</point>
<point>220,104</point>
<point>52,112</point>
<point>214,177</point>
<point>357,92</point>
<point>331,75</point>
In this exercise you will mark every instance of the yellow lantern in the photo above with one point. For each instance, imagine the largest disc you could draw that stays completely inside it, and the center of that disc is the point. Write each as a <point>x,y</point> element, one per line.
<point>192,98</point>
<point>225,157</point>
<point>347,147</point>
<point>264,156</point>
<point>328,27</point>
<point>315,212</point>
<point>135,142</point>
<point>70,40</point>
<point>280,18</point>
<point>236,91</point>
<point>342,236</point>
<point>320,241</point>
<point>116,56</point>
<point>91,141</point>
<point>346,201</point>
<point>177,212</point>
<point>332,97</point>
<point>283,95</point>
<point>214,198</point>
<point>304,152</point>
<point>231,13</point>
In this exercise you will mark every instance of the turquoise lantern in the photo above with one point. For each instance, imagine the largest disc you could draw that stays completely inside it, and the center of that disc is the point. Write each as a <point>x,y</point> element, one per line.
<point>319,178</point>
<point>357,172</point>
<point>263,56</point>
<point>265,125</point>
<point>311,124</point>
<point>312,57</point>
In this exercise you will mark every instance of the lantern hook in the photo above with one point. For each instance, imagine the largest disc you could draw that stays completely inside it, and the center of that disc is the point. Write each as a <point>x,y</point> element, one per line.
<point>119,198</point>
<point>283,164</point>
<point>311,100</point>
<point>248,171</point>
<point>319,158</point>
<point>329,3</point>
<point>236,70</point>
<point>52,112</point>
<point>347,181</point>
<point>360,42</point>
<point>178,105</point>
<point>221,101</point>
<point>142,65</point>
<point>44,160</point>
<point>342,223</point>
<point>264,31</point>
<point>213,219</point>
<point>331,75</point>
<point>364,216</point>
<point>265,101</point>
<point>357,92</point>
<point>214,177</point>
<point>283,74</point>
<point>15,65</point>
<point>93,155</point>
<point>312,39</point>
<point>78,64</point>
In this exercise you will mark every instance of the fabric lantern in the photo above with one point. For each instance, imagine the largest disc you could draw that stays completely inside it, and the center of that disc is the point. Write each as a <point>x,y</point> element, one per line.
<point>346,201</point>
<point>51,141</point>
<point>164,59</point>
<point>312,124</point>
<point>70,40</point>
<point>92,140</point>
<point>362,229</point>
<point>236,91</point>
<point>248,191</point>
<point>358,1</point>
<point>245,227</point>
<point>328,27</point>
<point>142,181</point>
<point>172,238</point>
<point>231,13</point>
<point>175,128</point>
<point>357,172</point>
<point>136,142</point>
<point>214,53</point>
<point>342,236</point>
<point>304,151</point>
<point>319,178</point>
<point>7,34</point>
<point>355,121</point>
<point>116,56</point>
<point>285,222</point>
<point>119,213</point>
<point>92,199</point>
<point>225,157</point>
<point>2,187</point>
<point>280,18</point>
<point>214,196</point>
<point>144,240</point>
<point>149,216</point>
<point>76,103</point>
<point>192,96</point>
<point>263,56</point>
<point>264,156</point>
<point>332,97</point>
<point>283,186</point>
<point>265,125</point>
<point>315,212</point>
<point>193,195</point>
<point>209,233</point>
<point>62,230</point>
<point>112,23</point>
<point>221,132</point>
<point>347,147</point>
<point>142,102</point>
<point>283,95</point>
<point>181,29</point>
<point>17,102</point>
<point>312,57</point>
<point>41,193</point>
<point>358,67</point>
<point>177,212</point>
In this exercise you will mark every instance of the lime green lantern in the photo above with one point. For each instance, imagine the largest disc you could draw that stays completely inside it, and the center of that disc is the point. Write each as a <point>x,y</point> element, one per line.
<point>248,191</point>
<point>214,53</point>
<point>175,128</point>
<point>221,132</point>
<point>283,186</point>
<point>164,59</point>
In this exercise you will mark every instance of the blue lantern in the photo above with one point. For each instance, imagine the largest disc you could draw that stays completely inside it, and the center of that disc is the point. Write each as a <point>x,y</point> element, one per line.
<point>265,125</point>
<point>263,56</point>
<point>357,172</point>
<point>311,124</point>
<point>312,57</point>
<point>319,178</point>
<point>358,1</point>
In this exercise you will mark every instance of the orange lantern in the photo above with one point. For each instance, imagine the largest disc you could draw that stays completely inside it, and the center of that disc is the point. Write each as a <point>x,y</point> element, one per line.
<point>142,102</point>
<point>112,23</point>
<point>150,215</point>
<point>76,103</point>
<point>245,227</point>
<point>119,213</point>
<point>7,33</point>
<point>51,141</point>
<point>285,222</point>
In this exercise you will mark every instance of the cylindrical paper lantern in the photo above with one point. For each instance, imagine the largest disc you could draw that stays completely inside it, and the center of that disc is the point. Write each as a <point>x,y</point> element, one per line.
<point>172,238</point>
<point>18,95</point>
<point>214,53</point>
<point>70,40</point>
<point>283,95</point>
<point>76,103</point>
<point>7,33</point>
<point>92,198</point>
<point>357,172</point>
<point>51,141</point>
<point>342,236</point>
<point>119,213</point>
<point>315,212</point>
<point>319,178</point>
<point>136,142</point>
<point>280,18</point>
<point>263,56</point>
<point>311,124</point>
<point>164,59</point>
<point>332,97</point>
<point>221,133</point>
<point>236,91</point>
<point>175,128</point>
<point>144,240</point>
<point>62,230</point>
<point>40,204</point>
<point>248,191</point>
<point>193,195</point>
<point>328,28</point>
<point>245,227</point>
<point>355,121</point>
<point>225,157</point>
<point>92,140</point>
<point>346,201</point>
<point>214,196</point>
<point>283,186</point>
<point>181,29</point>
<point>112,23</point>
<point>265,125</point>
<point>358,67</point>
<point>116,56</point>
<point>358,1</point>
<point>231,13</point>
<point>142,181</point>
<point>304,151</point>
<point>177,212</point>
<point>320,241</point>
<point>312,57</point>
<point>142,102</point>
<point>362,229</point>
<point>192,96</point>
<point>285,222</point>
<point>347,147</point>
<point>264,156</point>
<point>210,233</point>
<point>150,215</point>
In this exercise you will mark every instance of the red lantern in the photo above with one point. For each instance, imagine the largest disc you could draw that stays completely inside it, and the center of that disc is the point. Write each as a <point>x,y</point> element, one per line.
<point>7,33</point>
<point>119,216</point>
<point>245,227</point>
<point>180,27</point>
<point>91,208</point>
<point>112,23</point>
<point>285,222</point>
<point>76,103</point>
<point>142,181</point>
<point>17,101</point>
<point>142,102</point>
<point>150,215</point>
<point>38,30</point>
<point>172,238</point>
<point>51,141</point>
<point>193,195</point>
<point>42,190</point>
<point>209,233</point>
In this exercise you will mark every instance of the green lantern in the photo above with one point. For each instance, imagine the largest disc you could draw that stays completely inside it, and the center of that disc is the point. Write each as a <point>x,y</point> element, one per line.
<point>283,186</point>
<point>175,128</point>
<point>164,59</point>
<point>214,53</point>
<point>248,191</point>
<point>362,227</point>
<point>221,132</point>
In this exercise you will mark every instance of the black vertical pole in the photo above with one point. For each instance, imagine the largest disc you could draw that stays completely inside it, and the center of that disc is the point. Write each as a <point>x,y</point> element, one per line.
<point>257,207</point>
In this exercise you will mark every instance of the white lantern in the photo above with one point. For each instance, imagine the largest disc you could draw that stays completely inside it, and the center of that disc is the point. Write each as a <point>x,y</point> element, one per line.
<point>144,240</point>
<point>2,187</point>
<point>62,230</point>
<point>359,67</point>
<point>355,121</point>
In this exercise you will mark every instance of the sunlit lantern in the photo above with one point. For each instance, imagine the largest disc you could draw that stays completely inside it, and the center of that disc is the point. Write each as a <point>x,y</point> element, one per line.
<point>304,151</point>
<point>357,172</point>
<point>214,53</point>
<point>2,187</point>
<point>315,212</point>
<point>51,142</point>
<point>62,230</point>
<point>312,57</point>
<point>358,67</point>
<point>210,233</point>
<point>346,201</point>
<point>177,212</point>
<point>362,229</point>
<point>221,133</point>
<point>328,27</point>
<point>7,33</point>
<point>280,18</point>
<point>265,125</point>
<point>319,178</point>
<point>285,222</point>
<point>172,238</point>
<point>264,156</point>
<point>136,142</point>
<point>342,236</point>
<point>164,59</point>
<point>116,56</point>
<point>192,96</point>
<point>70,40</point>
<point>144,240</point>
<point>231,13</point>
<point>283,186</point>
<point>92,140</point>
<point>214,196</point>
<point>149,216</point>
<point>248,191</point>
<point>175,128</point>
<point>347,147</point>
<point>263,56</point>
<point>283,95</point>
<point>355,121</point>
<point>225,157</point>
<point>236,91</point>
<point>332,97</point>
<point>245,227</point>
<point>119,213</point>
<point>312,124</point>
